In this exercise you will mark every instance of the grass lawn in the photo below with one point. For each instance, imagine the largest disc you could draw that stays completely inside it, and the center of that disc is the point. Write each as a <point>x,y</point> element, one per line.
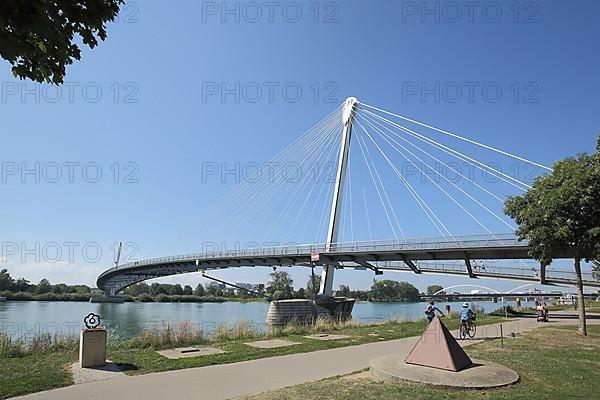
<point>554,363</point>
<point>141,361</point>
<point>34,373</point>
<point>31,373</point>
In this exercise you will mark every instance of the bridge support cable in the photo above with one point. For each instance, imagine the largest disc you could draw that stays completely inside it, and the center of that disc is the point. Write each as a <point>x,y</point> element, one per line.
<point>318,179</point>
<point>273,182</point>
<point>263,196</point>
<point>318,201</point>
<point>373,168</point>
<point>228,209</point>
<point>287,153</point>
<point>459,137</point>
<point>321,225</point>
<point>314,158</point>
<point>424,206</point>
<point>438,186</point>
<point>468,160</point>
<point>255,190</point>
<point>415,195</point>
<point>395,144</point>
<point>449,167</point>
<point>376,184</point>
<point>367,214</point>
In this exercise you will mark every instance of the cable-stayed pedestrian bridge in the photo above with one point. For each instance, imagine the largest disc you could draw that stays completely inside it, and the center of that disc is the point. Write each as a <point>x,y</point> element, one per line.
<point>433,255</point>
<point>433,186</point>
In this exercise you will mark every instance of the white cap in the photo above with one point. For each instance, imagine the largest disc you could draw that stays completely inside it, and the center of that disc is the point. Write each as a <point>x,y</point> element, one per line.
<point>465,304</point>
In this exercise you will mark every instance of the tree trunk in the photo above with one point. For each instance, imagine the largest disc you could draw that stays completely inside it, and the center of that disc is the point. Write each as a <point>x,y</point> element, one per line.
<point>580,299</point>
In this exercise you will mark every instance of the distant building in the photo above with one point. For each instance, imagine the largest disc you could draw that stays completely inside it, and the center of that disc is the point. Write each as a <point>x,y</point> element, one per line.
<point>215,285</point>
<point>255,287</point>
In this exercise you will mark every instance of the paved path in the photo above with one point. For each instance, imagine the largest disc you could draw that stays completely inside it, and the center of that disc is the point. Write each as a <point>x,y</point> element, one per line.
<point>252,377</point>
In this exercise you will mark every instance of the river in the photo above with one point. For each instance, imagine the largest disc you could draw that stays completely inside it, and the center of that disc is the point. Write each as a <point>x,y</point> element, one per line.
<point>25,319</point>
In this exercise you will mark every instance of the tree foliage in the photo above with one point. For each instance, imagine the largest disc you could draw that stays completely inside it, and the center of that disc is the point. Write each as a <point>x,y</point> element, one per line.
<point>433,289</point>
<point>280,286</point>
<point>199,291</point>
<point>38,37</point>
<point>562,211</point>
<point>388,290</point>
<point>6,282</point>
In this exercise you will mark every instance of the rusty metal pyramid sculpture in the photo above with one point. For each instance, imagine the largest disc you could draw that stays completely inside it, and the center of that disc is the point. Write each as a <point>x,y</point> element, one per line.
<point>437,348</point>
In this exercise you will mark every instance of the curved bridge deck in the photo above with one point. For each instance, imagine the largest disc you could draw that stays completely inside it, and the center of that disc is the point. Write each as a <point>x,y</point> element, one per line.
<point>417,256</point>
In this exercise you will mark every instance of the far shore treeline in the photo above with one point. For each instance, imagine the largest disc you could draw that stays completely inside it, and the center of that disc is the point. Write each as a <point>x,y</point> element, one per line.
<point>281,286</point>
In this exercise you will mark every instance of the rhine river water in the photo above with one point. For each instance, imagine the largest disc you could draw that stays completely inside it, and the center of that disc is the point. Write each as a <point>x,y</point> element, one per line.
<point>27,318</point>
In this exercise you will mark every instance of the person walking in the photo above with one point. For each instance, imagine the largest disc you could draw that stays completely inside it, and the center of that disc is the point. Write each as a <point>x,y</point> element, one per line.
<point>430,311</point>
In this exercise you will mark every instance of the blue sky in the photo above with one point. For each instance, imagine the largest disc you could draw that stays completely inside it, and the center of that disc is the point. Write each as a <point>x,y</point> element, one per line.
<point>148,104</point>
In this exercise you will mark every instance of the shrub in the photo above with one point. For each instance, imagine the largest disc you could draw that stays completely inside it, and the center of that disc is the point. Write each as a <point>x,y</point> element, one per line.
<point>145,298</point>
<point>162,298</point>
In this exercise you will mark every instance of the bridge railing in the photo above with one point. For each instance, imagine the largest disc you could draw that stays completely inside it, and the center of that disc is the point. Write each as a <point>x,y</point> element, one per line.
<point>491,268</point>
<point>496,240</point>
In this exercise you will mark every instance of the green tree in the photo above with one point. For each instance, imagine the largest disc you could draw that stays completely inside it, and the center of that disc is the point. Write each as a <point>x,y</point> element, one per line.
<point>22,285</point>
<point>211,290</point>
<point>280,282</point>
<point>37,37</point>
<point>388,290</point>
<point>155,289</point>
<point>43,287</point>
<point>81,288</point>
<point>60,288</point>
<point>176,290</point>
<point>301,293</point>
<point>187,290</point>
<point>199,291</point>
<point>562,211</point>
<point>433,289</point>
<point>310,292</point>
<point>6,282</point>
<point>138,289</point>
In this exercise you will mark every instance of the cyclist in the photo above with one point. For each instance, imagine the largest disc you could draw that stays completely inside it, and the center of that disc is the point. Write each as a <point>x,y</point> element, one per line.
<point>466,315</point>
<point>430,311</point>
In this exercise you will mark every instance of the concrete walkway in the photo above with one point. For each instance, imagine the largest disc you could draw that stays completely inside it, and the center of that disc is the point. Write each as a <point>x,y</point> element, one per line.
<point>256,376</point>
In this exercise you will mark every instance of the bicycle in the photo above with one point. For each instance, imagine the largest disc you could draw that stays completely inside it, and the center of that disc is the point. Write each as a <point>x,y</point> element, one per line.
<point>467,328</point>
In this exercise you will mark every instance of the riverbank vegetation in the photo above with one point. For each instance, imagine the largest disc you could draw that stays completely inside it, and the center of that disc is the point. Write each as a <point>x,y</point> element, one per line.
<point>279,287</point>
<point>553,363</point>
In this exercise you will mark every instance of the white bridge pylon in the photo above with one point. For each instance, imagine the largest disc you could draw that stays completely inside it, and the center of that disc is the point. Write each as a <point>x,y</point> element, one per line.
<point>348,117</point>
